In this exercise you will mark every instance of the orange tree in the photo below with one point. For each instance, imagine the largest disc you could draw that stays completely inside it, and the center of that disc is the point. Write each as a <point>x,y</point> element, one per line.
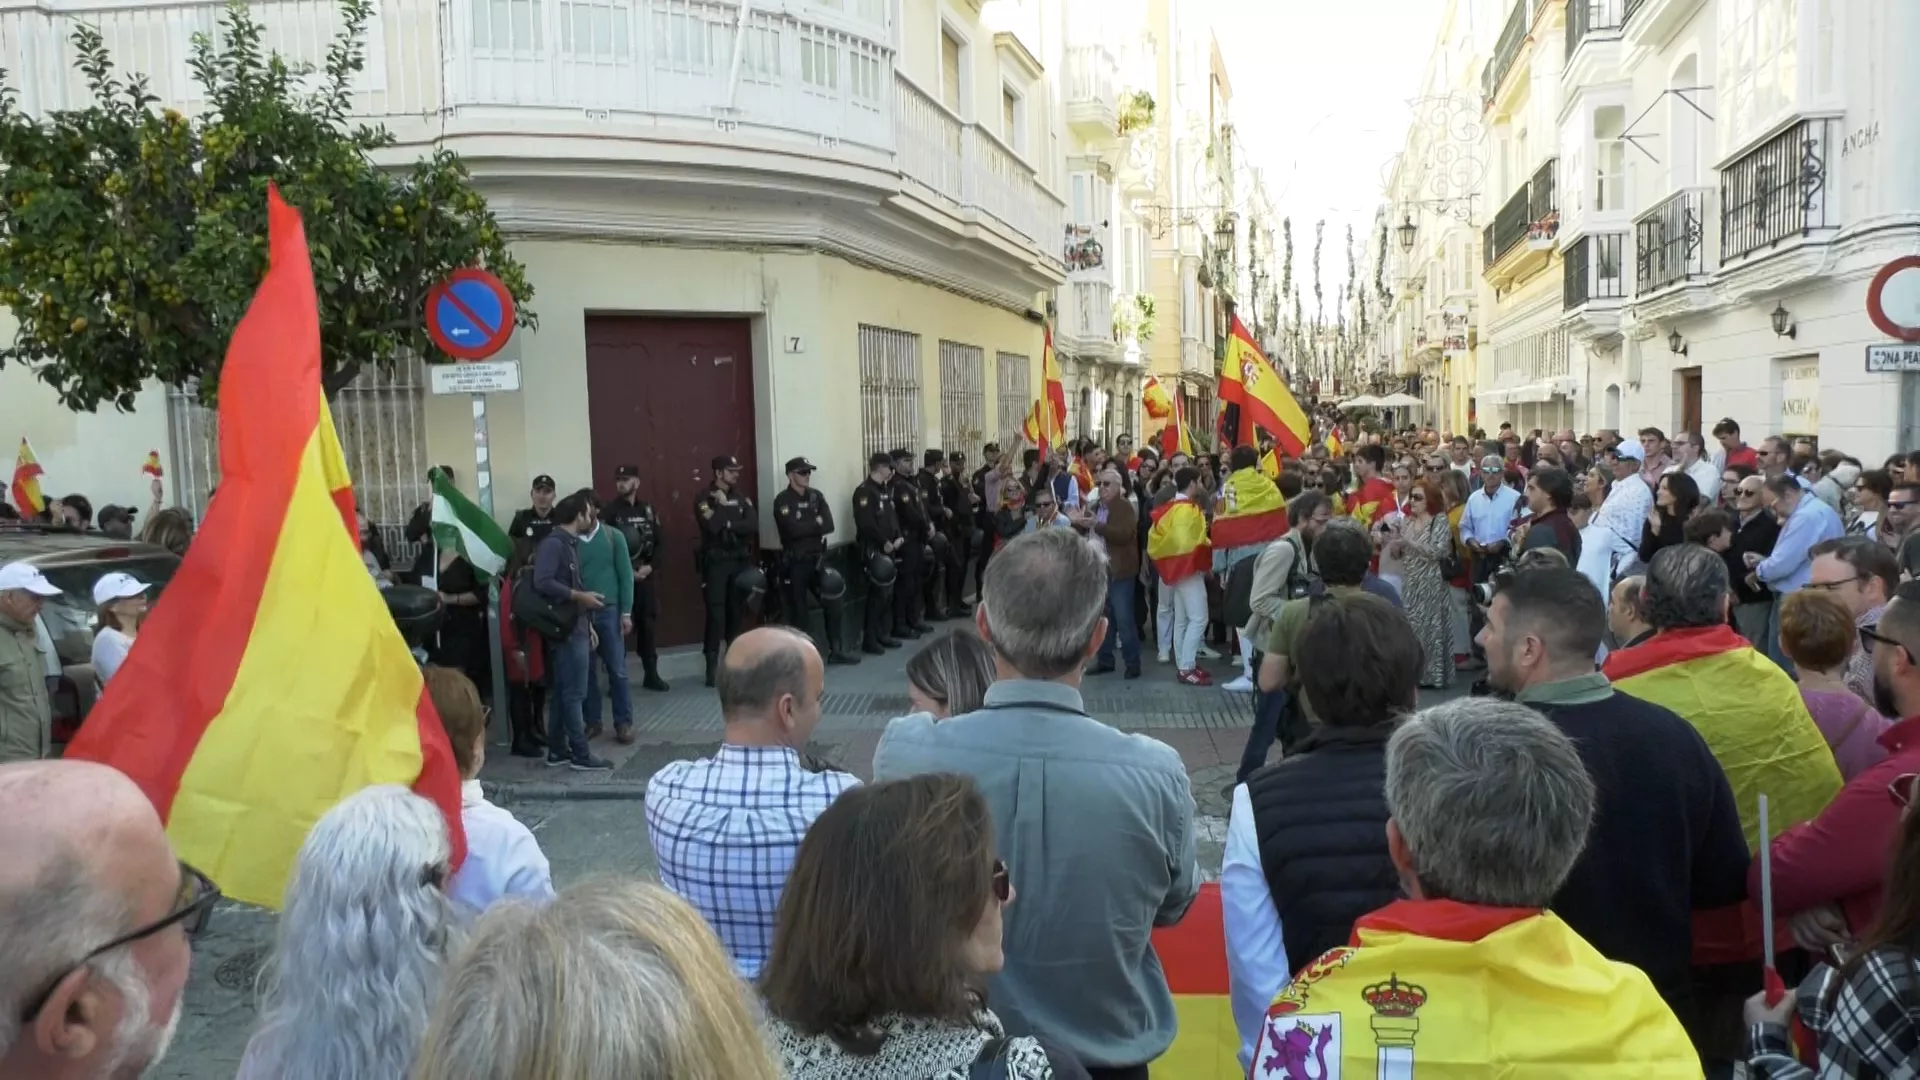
<point>133,237</point>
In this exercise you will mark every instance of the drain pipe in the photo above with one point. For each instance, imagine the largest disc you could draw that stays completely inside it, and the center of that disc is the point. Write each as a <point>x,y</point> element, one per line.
<point>739,53</point>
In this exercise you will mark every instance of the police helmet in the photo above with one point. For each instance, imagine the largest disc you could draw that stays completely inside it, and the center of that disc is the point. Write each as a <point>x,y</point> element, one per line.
<point>750,585</point>
<point>416,611</point>
<point>979,538</point>
<point>632,536</point>
<point>940,544</point>
<point>880,569</point>
<point>832,585</point>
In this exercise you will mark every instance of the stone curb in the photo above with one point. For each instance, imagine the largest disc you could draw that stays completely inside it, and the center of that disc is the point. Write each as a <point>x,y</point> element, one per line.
<point>504,792</point>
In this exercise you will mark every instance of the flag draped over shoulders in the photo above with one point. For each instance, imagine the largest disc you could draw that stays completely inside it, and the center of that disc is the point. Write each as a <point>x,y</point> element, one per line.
<point>1193,953</point>
<point>1436,990</point>
<point>1250,511</point>
<point>1367,504</point>
<point>1750,714</point>
<point>1178,543</point>
<point>270,681</point>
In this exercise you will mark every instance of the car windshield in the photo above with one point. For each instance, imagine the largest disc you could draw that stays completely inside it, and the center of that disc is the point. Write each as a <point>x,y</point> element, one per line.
<point>71,617</point>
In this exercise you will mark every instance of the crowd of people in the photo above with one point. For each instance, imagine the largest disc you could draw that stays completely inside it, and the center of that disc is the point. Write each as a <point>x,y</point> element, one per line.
<point>1554,875</point>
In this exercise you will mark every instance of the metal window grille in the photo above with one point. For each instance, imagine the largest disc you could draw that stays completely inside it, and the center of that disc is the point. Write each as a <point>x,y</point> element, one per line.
<point>1669,241</point>
<point>380,418</point>
<point>1012,372</point>
<point>1081,424</point>
<point>889,389</point>
<point>963,397</point>
<point>1782,189</point>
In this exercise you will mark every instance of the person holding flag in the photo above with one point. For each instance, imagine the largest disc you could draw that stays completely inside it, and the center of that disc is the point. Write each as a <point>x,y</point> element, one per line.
<point>1182,554</point>
<point>1260,398</point>
<point>1249,514</point>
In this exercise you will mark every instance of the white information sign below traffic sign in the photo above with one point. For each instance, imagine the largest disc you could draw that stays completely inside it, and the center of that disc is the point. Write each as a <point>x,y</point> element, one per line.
<point>478,377</point>
<point>1893,358</point>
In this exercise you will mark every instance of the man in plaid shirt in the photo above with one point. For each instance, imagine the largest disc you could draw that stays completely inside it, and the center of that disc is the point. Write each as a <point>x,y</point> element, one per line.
<point>726,828</point>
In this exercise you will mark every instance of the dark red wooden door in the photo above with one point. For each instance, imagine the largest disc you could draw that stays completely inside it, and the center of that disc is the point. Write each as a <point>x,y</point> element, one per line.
<point>668,396</point>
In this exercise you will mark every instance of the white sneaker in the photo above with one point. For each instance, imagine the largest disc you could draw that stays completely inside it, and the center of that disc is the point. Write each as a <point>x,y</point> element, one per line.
<point>1241,685</point>
<point>1166,658</point>
<point>1208,654</point>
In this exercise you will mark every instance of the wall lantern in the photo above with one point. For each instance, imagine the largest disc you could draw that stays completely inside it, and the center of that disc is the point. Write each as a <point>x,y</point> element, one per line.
<point>1676,345</point>
<point>1783,324</point>
<point>1408,232</point>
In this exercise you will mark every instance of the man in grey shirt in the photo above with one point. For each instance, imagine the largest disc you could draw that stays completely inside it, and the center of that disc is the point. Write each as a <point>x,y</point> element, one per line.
<point>1096,827</point>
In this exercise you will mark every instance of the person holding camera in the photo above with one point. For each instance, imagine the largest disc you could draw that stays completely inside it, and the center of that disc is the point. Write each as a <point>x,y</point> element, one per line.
<point>1490,510</point>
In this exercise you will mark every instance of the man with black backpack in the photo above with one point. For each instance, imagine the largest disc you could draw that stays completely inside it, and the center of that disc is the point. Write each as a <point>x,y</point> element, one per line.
<point>1284,572</point>
<point>558,584</point>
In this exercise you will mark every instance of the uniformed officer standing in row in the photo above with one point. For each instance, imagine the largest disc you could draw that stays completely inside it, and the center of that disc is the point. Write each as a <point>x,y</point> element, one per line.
<point>637,522</point>
<point>985,506</point>
<point>936,573</point>
<point>957,523</point>
<point>805,522</point>
<point>917,529</point>
<point>877,529</point>
<point>729,525</point>
<point>533,524</point>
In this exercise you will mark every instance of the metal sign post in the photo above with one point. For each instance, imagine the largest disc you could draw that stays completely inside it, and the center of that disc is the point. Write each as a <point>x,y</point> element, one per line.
<point>483,481</point>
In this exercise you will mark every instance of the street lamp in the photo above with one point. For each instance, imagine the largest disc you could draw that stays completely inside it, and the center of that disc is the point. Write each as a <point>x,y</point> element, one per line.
<point>1408,232</point>
<point>1676,344</point>
<point>1783,324</point>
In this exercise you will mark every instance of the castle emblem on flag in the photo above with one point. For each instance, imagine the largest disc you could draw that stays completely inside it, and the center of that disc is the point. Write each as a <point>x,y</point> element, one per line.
<point>1395,1023</point>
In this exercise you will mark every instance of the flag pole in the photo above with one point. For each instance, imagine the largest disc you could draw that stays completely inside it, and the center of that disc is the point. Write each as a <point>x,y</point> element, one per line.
<point>483,482</point>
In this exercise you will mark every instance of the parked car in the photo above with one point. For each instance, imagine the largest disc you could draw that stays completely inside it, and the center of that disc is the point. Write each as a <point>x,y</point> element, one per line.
<point>73,561</point>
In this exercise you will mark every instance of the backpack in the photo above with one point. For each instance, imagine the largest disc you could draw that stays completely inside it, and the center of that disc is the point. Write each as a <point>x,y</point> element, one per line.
<point>553,621</point>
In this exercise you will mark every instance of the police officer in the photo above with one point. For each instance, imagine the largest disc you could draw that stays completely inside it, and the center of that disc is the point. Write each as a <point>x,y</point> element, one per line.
<point>641,526</point>
<point>805,522</point>
<point>917,529</point>
<point>957,523</point>
<point>877,528</point>
<point>728,527</point>
<point>984,509</point>
<point>533,524</point>
<point>936,574</point>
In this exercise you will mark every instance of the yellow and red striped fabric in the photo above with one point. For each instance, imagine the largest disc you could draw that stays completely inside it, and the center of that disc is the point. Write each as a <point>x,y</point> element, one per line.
<point>26,481</point>
<point>270,681</point>
<point>1194,956</point>
<point>1082,477</point>
<point>1155,399</point>
<point>1178,543</point>
<point>1047,420</point>
<point>1250,511</point>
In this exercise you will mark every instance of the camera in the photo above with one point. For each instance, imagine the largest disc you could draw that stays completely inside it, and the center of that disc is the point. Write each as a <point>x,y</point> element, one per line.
<point>1484,592</point>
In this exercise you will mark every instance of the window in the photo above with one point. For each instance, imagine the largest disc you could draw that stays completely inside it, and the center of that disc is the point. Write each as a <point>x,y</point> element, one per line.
<point>1609,159</point>
<point>1688,126</point>
<point>689,44</point>
<point>1013,120</point>
<point>963,415</point>
<point>952,70</point>
<point>506,25</point>
<point>1080,198</point>
<point>1082,424</point>
<point>1189,305</point>
<point>1133,253</point>
<point>889,389</point>
<point>819,64</point>
<point>863,78</point>
<point>595,28</point>
<point>1012,396</point>
<point>1759,66</point>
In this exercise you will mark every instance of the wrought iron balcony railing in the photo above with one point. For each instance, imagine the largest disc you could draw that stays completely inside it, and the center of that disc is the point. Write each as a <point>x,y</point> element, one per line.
<point>1507,49</point>
<point>1670,241</point>
<point>1542,203</point>
<point>1595,270</point>
<point>1509,228</point>
<point>1586,17</point>
<point>1781,189</point>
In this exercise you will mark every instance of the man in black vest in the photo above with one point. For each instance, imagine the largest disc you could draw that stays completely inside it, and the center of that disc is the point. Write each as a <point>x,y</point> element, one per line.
<point>917,529</point>
<point>638,523</point>
<point>877,528</point>
<point>1307,840</point>
<point>805,522</point>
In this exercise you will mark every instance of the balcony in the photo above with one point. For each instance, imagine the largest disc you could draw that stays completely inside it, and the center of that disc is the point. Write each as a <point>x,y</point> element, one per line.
<point>1670,241</point>
<point>1521,240</point>
<point>970,168</point>
<point>1508,231</point>
<point>1513,38</point>
<point>1093,94</point>
<point>1781,190</point>
<point>1648,25</point>
<point>1600,20</point>
<point>1196,358</point>
<point>1595,270</point>
<point>1086,320</point>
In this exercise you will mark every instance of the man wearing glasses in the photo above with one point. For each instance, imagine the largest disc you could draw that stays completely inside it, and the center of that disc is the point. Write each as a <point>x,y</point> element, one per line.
<point>95,917</point>
<point>1898,525</point>
<point>1829,873</point>
<point>1863,576</point>
<point>1754,532</point>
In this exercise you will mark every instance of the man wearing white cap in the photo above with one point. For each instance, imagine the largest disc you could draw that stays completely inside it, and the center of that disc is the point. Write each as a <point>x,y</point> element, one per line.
<point>122,602</point>
<point>26,712</point>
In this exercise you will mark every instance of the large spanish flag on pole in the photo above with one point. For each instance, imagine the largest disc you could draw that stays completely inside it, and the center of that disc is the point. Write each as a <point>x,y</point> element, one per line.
<point>1047,420</point>
<point>1194,956</point>
<point>1174,438</point>
<point>1248,380</point>
<point>270,681</point>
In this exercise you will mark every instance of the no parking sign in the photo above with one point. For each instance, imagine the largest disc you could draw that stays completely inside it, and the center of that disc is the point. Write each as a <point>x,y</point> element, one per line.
<point>470,315</point>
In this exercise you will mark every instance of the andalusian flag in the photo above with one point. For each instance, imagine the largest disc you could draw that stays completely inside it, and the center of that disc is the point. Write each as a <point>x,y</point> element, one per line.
<point>1047,420</point>
<point>1748,711</point>
<point>26,481</point>
<point>1438,990</point>
<point>1248,380</point>
<point>1193,954</point>
<point>461,525</point>
<point>270,681</point>
<point>1250,511</point>
<point>1178,543</point>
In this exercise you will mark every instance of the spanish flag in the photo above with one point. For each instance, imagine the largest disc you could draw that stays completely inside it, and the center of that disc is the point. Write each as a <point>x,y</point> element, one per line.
<point>26,481</point>
<point>1082,476</point>
<point>1156,400</point>
<point>1047,420</point>
<point>151,467</point>
<point>1177,543</point>
<point>1174,438</point>
<point>1374,497</point>
<point>1439,990</point>
<point>1250,511</point>
<point>1248,380</point>
<point>1270,464</point>
<point>270,681</point>
<point>1193,954</point>
<point>1334,446</point>
<point>1748,711</point>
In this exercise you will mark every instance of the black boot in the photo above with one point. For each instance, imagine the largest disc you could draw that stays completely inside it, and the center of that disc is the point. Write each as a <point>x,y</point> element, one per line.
<point>840,659</point>
<point>653,681</point>
<point>713,665</point>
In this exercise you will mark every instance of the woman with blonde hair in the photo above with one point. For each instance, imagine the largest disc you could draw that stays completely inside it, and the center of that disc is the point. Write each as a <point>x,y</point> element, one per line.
<point>612,979</point>
<point>949,676</point>
<point>170,528</point>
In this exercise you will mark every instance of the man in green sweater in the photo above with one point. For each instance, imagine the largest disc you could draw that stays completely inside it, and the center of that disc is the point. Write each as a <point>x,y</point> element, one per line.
<point>606,568</point>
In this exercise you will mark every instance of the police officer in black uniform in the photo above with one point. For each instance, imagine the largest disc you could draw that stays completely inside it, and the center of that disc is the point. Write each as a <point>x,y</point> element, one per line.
<point>937,572</point>
<point>535,523</point>
<point>805,522</point>
<point>877,528</point>
<point>641,526</point>
<point>958,525</point>
<point>728,527</point>
<point>983,514</point>
<point>917,528</point>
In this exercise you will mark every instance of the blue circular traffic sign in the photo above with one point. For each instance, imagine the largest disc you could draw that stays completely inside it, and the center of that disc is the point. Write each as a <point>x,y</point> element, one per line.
<point>470,315</point>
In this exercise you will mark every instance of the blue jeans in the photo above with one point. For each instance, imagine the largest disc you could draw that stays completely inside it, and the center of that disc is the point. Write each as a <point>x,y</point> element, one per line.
<point>612,653</point>
<point>1120,623</point>
<point>1268,708</point>
<point>566,731</point>
<point>1772,647</point>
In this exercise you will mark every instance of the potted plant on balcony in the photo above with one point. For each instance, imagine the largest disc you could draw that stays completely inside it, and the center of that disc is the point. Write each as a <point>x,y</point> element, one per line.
<point>1136,112</point>
<point>1543,234</point>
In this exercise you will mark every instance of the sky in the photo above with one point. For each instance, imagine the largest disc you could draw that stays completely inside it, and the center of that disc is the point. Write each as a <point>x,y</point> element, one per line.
<point>1320,103</point>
